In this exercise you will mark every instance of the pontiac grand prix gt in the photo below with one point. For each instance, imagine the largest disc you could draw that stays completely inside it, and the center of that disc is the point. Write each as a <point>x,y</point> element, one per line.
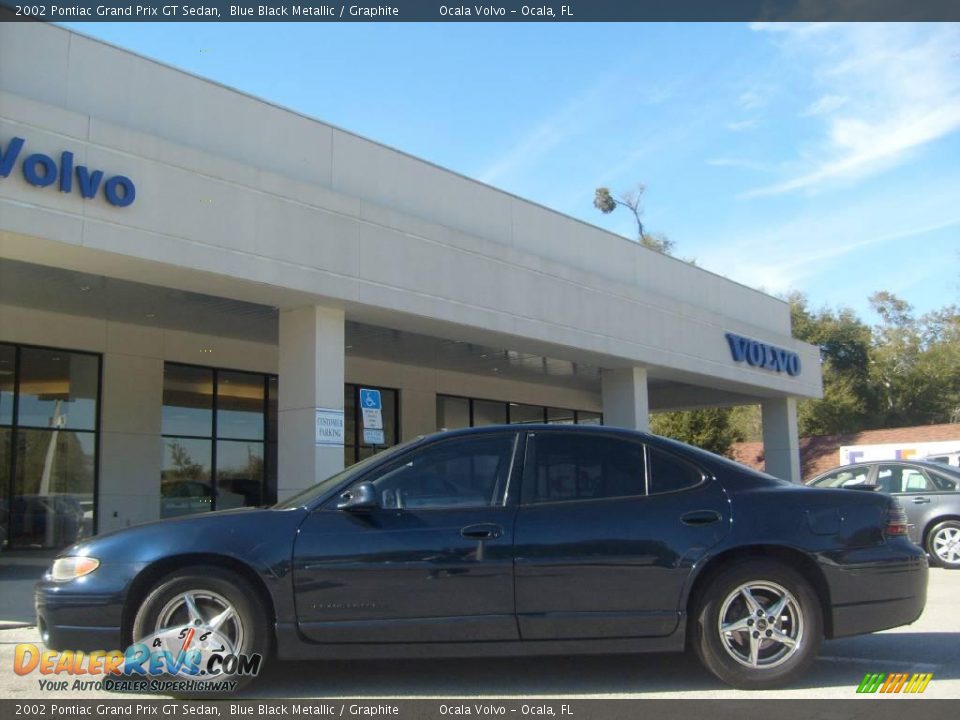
<point>517,540</point>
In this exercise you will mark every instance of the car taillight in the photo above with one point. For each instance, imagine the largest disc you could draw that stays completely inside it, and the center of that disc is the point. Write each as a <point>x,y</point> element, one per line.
<point>896,520</point>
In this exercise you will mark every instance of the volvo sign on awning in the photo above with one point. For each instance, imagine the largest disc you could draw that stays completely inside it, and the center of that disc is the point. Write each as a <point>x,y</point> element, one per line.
<point>42,171</point>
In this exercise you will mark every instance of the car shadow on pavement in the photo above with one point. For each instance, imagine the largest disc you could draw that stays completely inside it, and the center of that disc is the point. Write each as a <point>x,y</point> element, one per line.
<point>841,662</point>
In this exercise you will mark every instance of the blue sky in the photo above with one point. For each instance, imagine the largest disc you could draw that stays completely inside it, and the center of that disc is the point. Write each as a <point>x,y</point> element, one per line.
<point>821,158</point>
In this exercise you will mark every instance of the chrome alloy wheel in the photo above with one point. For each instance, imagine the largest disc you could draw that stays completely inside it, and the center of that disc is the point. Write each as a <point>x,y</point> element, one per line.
<point>946,544</point>
<point>760,624</point>
<point>204,611</point>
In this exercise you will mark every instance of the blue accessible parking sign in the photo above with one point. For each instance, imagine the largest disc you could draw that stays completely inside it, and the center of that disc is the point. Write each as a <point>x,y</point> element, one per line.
<point>372,416</point>
<point>369,399</point>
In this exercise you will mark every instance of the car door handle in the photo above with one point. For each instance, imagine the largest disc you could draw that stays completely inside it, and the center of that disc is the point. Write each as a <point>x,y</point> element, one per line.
<point>921,500</point>
<point>483,531</point>
<point>700,517</point>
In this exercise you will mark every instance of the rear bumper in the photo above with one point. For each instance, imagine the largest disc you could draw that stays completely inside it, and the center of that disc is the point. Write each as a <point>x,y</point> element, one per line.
<point>877,589</point>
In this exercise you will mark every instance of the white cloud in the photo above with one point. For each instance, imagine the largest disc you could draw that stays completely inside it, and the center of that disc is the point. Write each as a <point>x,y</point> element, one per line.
<point>825,105</point>
<point>740,163</point>
<point>887,90</point>
<point>742,125</point>
<point>783,256</point>
<point>580,113</point>
<point>751,99</point>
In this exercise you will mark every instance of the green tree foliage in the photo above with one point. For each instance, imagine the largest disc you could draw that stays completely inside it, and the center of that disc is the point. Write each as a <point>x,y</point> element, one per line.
<point>915,364</point>
<point>844,342</point>
<point>632,200</point>
<point>712,429</point>
<point>904,371</point>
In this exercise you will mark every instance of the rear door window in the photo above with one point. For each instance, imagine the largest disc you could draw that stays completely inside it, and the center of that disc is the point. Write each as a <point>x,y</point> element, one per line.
<point>566,467</point>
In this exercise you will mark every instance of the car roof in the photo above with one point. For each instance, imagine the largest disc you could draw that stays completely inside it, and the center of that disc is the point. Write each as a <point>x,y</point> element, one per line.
<point>692,451</point>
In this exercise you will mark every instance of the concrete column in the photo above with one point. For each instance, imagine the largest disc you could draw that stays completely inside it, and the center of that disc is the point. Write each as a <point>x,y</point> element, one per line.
<point>626,401</point>
<point>130,449</point>
<point>311,364</point>
<point>781,446</point>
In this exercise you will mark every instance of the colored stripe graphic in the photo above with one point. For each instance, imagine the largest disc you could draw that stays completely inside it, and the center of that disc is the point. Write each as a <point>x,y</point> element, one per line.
<point>894,682</point>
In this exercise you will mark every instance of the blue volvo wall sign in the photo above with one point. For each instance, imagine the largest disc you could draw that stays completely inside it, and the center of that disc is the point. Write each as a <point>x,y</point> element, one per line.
<point>42,171</point>
<point>758,354</point>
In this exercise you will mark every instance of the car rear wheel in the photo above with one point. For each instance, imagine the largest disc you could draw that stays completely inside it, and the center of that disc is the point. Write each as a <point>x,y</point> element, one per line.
<point>943,544</point>
<point>207,609</point>
<point>759,625</point>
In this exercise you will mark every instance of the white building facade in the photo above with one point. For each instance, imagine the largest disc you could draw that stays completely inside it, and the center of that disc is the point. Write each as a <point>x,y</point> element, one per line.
<point>191,279</point>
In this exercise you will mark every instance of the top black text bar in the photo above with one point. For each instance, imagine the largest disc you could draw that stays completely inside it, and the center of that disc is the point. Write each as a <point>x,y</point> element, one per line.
<point>495,11</point>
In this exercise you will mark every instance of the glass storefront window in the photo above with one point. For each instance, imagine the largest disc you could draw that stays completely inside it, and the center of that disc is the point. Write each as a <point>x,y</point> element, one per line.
<point>185,477</point>
<point>240,474</point>
<point>589,418</point>
<point>52,500</point>
<point>8,364</point>
<point>187,401</point>
<point>525,414</point>
<point>452,412</point>
<point>48,447</point>
<point>489,413</point>
<point>459,412</point>
<point>6,444</point>
<point>220,439</point>
<point>58,389</point>
<point>558,416</point>
<point>349,424</point>
<point>240,405</point>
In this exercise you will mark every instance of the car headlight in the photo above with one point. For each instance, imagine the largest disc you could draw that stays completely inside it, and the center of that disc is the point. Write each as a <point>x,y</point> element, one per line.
<point>70,568</point>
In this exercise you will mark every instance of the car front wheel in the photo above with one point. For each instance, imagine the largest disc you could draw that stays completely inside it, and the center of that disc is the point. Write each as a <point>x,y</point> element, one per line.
<point>212,613</point>
<point>943,544</point>
<point>759,625</point>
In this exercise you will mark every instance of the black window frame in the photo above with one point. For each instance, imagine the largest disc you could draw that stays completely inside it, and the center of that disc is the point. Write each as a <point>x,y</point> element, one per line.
<point>545,411</point>
<point>15,426</point>
<point>269,493</point>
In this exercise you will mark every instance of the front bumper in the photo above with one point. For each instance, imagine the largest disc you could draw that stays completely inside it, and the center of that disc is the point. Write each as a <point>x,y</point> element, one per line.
<point>877,588</point>
<point>84,614</point>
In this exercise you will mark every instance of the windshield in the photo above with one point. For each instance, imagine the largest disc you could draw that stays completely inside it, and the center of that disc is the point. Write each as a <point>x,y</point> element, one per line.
<point>305,497</point>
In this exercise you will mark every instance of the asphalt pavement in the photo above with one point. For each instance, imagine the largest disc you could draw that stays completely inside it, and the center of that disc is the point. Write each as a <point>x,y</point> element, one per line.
<point>930,645</point>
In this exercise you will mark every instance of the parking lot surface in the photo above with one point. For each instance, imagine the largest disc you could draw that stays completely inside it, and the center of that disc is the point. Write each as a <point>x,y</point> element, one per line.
<point>931,645</point>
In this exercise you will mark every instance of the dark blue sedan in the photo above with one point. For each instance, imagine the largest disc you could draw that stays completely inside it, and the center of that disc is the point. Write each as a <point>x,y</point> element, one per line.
<point>522,540</point>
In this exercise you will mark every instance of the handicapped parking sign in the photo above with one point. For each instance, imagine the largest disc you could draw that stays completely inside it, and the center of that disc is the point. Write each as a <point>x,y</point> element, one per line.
<point>370,399</point>
<point>371,409</point>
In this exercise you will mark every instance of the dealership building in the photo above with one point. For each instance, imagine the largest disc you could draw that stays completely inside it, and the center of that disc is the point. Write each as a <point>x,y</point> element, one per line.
<point>196,287</point>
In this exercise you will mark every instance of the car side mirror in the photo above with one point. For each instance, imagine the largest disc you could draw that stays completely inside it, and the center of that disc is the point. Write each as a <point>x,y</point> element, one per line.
<point>359,497</point>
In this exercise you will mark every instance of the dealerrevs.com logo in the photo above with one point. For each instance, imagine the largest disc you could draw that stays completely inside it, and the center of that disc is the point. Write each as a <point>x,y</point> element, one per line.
<point>190,659</point>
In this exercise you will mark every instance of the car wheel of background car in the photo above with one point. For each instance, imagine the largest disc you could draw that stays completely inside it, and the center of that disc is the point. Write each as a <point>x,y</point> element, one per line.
<point>759,625</point>
<point>219,606</point>
<point>943,544</point>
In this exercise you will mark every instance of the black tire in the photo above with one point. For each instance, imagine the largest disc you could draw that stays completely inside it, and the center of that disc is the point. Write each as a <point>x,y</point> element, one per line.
<point>943,544</point>
<point>730,656</point>
<point>210,587</point>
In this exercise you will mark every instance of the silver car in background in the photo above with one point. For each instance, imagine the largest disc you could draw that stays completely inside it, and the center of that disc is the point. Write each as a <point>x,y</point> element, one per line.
<point>928,491</point>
